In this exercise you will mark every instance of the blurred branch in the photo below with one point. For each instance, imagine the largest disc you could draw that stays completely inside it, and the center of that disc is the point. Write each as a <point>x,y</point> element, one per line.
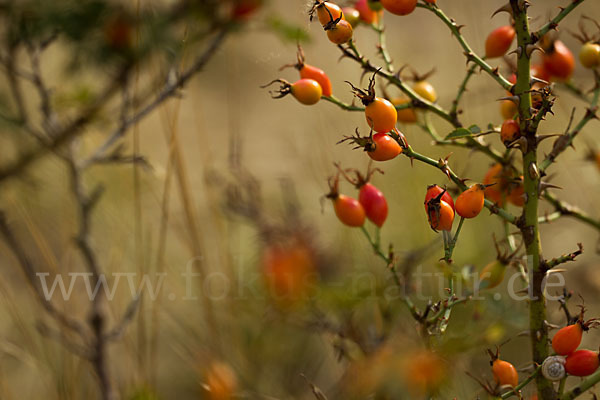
<point>382,45</point>
<point>30,274</point>
<point>568,210</point>
<point>97,320</point>
<point>169,90</point>
<point>66,133</point>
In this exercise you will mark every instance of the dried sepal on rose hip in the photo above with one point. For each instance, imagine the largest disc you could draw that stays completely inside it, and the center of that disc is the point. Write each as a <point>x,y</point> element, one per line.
<point>493,273</point>
<point>308,71</point>
<point>348,210</point>
<point>505,374</point>
<point>434,190</point>
<point>379,146</point>
<point>567,339</point>
<point>380,113</point>
<point>306,91</point>
<point>325,11</point>
<point>440,213</point>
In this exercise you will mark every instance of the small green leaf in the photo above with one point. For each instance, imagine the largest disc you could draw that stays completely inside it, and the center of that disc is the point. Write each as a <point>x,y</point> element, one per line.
<point>459,133</point>
<point>474,129</point>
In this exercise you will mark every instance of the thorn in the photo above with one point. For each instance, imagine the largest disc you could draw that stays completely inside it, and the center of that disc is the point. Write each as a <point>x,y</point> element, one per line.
<point>514,99</point>
<point>520,143</point>
<point>541,138</point>
<point>546,185</point>
<point>534,173</point>
<point>505,8</point>
<point>518,51</point>
<point>530,48</point>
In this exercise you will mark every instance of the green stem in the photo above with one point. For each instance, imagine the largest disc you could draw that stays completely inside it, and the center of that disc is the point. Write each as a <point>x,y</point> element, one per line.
<point>586,384</point>
<point>382,46</point>
<point>570,211</point>
<point>375,245</point>
<point>561,386</point>
<point>352,52</point>
<point>452,242</point>
<point>553,23</point>
<point>470,54</point>
<point>529,224</point>
<point>389,262</point>
<point>462,89</point>
<point>521,385</point>
<point>341,104</point>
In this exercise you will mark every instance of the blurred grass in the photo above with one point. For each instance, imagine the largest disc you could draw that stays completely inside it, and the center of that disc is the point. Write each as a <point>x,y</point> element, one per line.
<point>276,139</point>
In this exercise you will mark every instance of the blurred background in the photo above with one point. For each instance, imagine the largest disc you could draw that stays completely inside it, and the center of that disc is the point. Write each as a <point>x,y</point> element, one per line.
<point>233,184</point>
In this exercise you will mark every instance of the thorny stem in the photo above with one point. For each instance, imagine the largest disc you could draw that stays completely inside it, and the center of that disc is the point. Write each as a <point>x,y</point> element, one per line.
<point>390,263</point>
<point>553,23</point>
<point>461,90</point>
<point>382,46</point>
<point>341,104</point>
<point>528,223</point>
<point>522,384</point>
<point>352,52</point>
<point>452,242</point>
<point>469,53</point>
<point>571,211</point>
<point>586,384</point>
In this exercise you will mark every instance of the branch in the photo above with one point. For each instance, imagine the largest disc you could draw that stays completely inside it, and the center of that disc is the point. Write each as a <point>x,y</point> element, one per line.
<point>382,47</point>
<point>469,53</point>
<point>170,90</point>
<point>515,391</point>
<point>461,90</point>
<point>30,274</point>
<point>571,211</point>
<point>389,260</point>
<point>586,384</point>
<point>64,135</point>
<point>553,23</point>
<point>85,203</point>
<point>564,258</point>
<point>352,53</point>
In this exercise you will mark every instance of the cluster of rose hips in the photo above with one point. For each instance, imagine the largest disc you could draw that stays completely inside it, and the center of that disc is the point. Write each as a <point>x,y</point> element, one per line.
<point>440,207</point>
<point>569,360</point>
<point>371,202</point>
